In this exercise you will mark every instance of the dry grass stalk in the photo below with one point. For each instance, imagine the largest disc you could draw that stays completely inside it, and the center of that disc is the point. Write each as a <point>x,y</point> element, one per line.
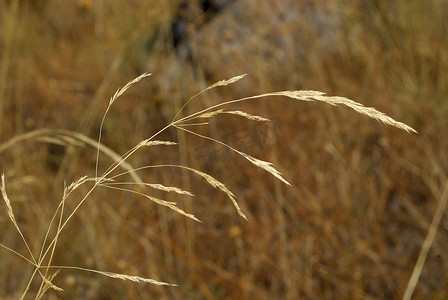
<point>66,137</point>
<point>310,95</point>
<point>13,218</point>
<point>267,166</point>
<point>217,84</point>
<point>118,275</point>
<point>335,100</point>
<point>431,234</point>
<point>193,124</point>
<point>45,281</point>
<point>117,94</point>
<point>104,180</point>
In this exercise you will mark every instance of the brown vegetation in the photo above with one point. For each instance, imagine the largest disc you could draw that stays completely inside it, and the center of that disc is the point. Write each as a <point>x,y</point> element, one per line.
<point>364,216</point>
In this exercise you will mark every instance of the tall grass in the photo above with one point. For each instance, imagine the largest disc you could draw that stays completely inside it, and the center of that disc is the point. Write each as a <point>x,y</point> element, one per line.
<point>43,265</point>
<point>364,216</point>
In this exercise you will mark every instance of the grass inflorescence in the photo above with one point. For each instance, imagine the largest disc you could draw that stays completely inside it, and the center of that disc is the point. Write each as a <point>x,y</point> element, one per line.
<point>43,265</point>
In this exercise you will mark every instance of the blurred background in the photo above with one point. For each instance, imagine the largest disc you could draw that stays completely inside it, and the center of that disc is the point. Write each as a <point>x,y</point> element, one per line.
<point>363,194</point>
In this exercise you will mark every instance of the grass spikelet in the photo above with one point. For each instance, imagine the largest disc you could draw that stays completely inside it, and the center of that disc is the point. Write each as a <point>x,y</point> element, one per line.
<point>156,186</point>
<point>233,112</point>
<point>210,114</point>
<point>358,107</point>
<point>11,214</point>
<point>50,284</point>
<point>171,205</point>
<point>219,185</point>
<point>257,162</point>
<point>264,165</point>
<point>246,115</point>
<point>132,278</point>
<point>226,82</point>
<point>169,189</point>
<point>120,92</point>
<point>149,143</point>
<point>7,202</point>
<point>74,185</point>
<point>117,94</point>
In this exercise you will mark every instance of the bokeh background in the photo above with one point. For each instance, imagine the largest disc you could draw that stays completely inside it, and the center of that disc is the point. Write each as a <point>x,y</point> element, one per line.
<point>363,194</point>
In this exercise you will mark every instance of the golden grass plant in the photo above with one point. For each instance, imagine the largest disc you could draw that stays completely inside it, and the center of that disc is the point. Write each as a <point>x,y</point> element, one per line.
<point>44,267</point>
<point>364,217</point>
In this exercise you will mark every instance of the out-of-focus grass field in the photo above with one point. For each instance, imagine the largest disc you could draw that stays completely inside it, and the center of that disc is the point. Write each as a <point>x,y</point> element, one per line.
<point>363,195</point>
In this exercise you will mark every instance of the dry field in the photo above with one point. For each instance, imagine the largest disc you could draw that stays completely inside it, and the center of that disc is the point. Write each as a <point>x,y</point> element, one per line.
<point>104,182</point>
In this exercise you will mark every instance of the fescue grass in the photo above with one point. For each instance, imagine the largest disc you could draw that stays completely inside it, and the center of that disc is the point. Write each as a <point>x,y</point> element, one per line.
<point>364,216</point>
<point>44,262</point>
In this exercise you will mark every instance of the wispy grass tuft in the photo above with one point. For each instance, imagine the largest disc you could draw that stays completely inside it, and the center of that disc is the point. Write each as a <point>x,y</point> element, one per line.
<point>108,180</point>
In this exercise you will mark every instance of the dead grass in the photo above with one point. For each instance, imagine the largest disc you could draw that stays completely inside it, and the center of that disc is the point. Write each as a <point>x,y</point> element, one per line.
<point>49,245</point>
<point>364,217</point>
